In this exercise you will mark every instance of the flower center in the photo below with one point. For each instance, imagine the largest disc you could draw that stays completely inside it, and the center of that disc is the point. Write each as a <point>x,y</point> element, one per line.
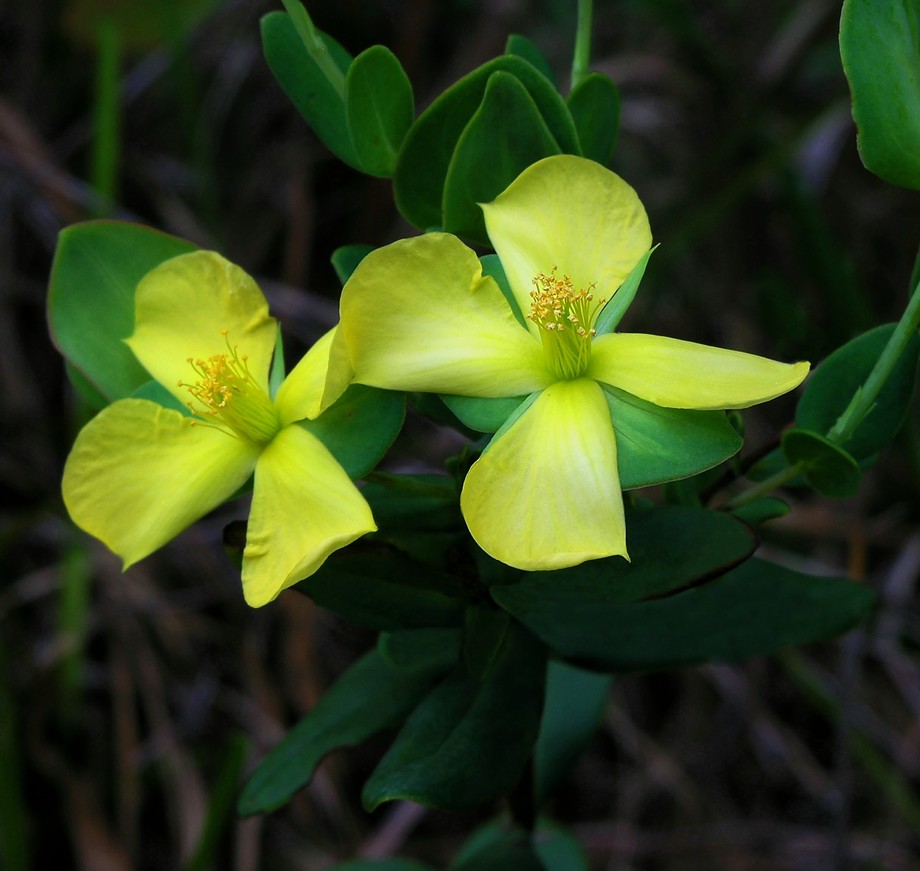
<point>566,319</point>
<point>229,398</point>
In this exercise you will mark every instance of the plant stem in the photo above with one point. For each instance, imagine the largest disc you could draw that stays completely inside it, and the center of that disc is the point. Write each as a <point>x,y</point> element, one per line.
<point>106,118</point>
<point>316,46</point>
<point>864,399</point>
<point>582,55</point>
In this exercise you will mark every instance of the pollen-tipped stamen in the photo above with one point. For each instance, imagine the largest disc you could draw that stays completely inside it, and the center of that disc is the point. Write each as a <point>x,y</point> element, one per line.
<point>228,397</point>
<point>566,317</point>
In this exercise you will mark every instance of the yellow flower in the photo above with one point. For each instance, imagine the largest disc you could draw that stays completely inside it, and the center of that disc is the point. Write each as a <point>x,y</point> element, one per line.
<point>419,315</point>
<point>139,472</point>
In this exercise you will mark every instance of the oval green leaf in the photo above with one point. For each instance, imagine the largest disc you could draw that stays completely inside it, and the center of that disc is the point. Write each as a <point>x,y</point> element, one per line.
<point>880,50</point>
<point>307,85</point>
<point>380,108</point>
<point>656,444</point>
<point>505,135</point>
<point>97,266</point>
<point>830,388</point>
<point>468,740</point>
<point>371,696</point>
<point>595,107</point>
<point>753,610</point>
<point>421,169</point>
<point>827,468</point>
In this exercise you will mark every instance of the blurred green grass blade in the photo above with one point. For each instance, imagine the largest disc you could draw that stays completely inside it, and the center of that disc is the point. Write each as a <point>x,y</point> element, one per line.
<point>220,813</point>
<point>106,117</point>
<point>14,818</point>
<point>73,614</point>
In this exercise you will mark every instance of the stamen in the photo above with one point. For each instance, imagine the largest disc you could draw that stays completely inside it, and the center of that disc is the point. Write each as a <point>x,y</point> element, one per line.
<point>228,397</point>
<point>567,318</point>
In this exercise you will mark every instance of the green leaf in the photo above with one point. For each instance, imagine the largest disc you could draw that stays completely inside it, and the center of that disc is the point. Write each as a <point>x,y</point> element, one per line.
<point>753,610</point>
<point>827,467</point>
<point>421,169</point>
<point>360,427</point>
<point>613,312</point>
<point>483,415</point>
<point>502,849</point>
<point>656,444</point>
<point>412,648</point>
<point>761,510</point>
<point>97,266</point>
<point>880,49</point>
<point>830,388</point>
<point>575,702</point>
<point>469,740</point>
<point>527,49</point>
<point>371,696</point>
<point>383,590</point>
<point>306,83</point>
<point>558,849</point>
<point>492,266</point>
<point>595,107</point>
<point>505,135</point>
<point>486,630</point>
<point>345,260</point>
<point>671,547</point>
<point>380,108</point>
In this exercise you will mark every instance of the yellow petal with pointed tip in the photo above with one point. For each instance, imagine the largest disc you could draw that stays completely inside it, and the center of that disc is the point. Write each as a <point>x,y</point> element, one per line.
<point>419,315</point>
<point>546,493</point>
<point>321,375</point>
<point>181,308</point>
<point>678,374</point>
<point>571,213</point>
<point>139,474</point>
<point>304,507</point>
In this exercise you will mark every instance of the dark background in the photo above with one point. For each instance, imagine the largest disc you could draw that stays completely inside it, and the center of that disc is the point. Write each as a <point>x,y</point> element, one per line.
<point>131,705</point>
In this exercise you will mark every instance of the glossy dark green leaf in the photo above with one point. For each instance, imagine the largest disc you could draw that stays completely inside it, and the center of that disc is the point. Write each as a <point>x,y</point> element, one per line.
<point>880,49</point>
<point>345,260</point>
<point>307,85</point>
<point>421,169</point>
<point>492,266</point>
<point>558,849</point>
<point>360,427</point>
<point>753,610</point>
<point>527,49</point>
<point>827,467</point>
<point>830,388</point>
<point>97,266</point>
<point>670,547</point>
<point>468,740</point>
<point>424,502</point>
<point>371,696</point>
<point>504,850</point>
<point>595,107</point>
<point>505,135</point>
<point>383,590</point>
<point>656,444</point>
<point>575,702</point>
<point>486,631</point>
<point>761,510</point>
<point>412,648</point>
<point>380,108</point>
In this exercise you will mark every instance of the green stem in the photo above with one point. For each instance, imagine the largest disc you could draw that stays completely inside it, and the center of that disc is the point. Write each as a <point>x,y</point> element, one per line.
<point>315,46</point>
<point>106,117</point>
<point>864,399</point>
<point>582,55</point>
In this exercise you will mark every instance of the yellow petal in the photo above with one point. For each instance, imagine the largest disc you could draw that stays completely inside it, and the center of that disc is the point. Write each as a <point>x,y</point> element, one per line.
<point>677,374</point>
<point>571,213</point>
<point>316,381</point>
<point>304,507</point>
<point>419,315</point>
<point>139,474</point>
<point>182,308</point>
<point>546,494</point>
